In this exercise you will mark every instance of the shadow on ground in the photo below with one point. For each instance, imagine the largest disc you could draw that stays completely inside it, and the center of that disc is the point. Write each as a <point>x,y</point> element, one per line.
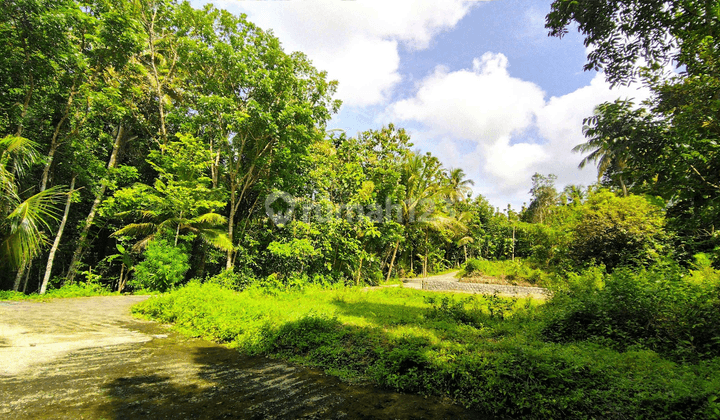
<point>230,386</point>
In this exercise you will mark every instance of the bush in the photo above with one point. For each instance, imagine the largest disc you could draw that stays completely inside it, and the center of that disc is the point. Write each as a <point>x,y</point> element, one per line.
<point>164,267</point>
<point>395,339</point>
<point>665,309</point>
<point>511,271</point>
<point>616,231</point>
<point>474,266</point>
<point>231,280</point>
<point>81,289</point>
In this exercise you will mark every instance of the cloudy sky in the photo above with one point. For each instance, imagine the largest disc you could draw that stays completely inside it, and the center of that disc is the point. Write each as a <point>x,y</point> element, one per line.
<point>477,83</point>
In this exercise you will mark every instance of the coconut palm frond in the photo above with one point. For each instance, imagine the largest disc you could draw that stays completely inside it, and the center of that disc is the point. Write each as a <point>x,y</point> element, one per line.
<point>25,226</point>
<point>136,229</point>
<point>211,219</point>
<point>465,240</point>
<point>217,239</point>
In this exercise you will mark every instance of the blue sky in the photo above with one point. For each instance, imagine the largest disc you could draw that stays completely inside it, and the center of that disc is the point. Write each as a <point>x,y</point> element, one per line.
<point>478,83</point>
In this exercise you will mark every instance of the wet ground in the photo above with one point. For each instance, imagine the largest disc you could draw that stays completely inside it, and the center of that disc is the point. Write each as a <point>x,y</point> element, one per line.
<point>87,358</point>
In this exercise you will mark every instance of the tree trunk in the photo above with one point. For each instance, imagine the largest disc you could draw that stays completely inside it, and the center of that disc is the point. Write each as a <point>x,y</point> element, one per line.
<point>26,280</point>
<point>121,281</point>
<point>56,244</point>
<point>78,254</point>
<point>513,244</point>
<point>27,276</point>
<point>26,104</point>
<point>427,251</point>
<point>54,144</point>
<point>392,261</point>
<point>203,255</point>
<point>412,258</point>
<point>465,251</point>
<point>231,227</point>
<point>19,276</point>
<point>357,278</point>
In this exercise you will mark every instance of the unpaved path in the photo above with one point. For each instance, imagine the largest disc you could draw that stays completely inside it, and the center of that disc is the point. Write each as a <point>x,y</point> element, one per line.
<point>87,358</point>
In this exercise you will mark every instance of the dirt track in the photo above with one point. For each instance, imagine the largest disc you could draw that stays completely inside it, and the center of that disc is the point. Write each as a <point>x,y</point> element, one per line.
<point>87,358</point>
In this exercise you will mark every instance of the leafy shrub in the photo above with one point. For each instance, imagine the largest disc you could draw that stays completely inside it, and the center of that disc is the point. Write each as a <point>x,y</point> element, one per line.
<point>616,231</point>
<point>231,280</point>
<point>474,266</point>
<point>164,267</point>
<point>665,309</point>
<point>82,289</point>
<point>502,369</point>
<point>11,295</point>
<point>511,271</point>
<point>447,308</point>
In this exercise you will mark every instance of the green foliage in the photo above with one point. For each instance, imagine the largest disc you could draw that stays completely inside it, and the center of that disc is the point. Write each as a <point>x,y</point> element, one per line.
<point>396,339</point>
<point>23,219</point>
<point>230,280</point>
<point>668,146</point>
<point>163,268</point>
<point>81,289</point>
<point>664,308</point>
<point>616,231</point>
<point>454,310</point>
<point>510,271</point>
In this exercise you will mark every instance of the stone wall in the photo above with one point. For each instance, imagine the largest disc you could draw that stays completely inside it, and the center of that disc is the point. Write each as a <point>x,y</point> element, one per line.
<point>439,285</point>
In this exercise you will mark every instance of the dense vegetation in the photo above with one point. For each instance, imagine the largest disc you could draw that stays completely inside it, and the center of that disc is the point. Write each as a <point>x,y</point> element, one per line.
<point>145,144</point>
<point>485,352</point>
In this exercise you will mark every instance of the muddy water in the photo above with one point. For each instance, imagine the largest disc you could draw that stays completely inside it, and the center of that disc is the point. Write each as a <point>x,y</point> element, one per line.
<point>88,359</point>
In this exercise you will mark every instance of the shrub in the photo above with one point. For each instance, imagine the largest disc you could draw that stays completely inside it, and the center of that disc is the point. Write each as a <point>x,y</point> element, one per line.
<point>616,231</point>
<point>665,309</point>
<point>512,271</point>
<point>474,266</point>
<point>231,280</point>
<point>392,338</point>
<point>164,267</point>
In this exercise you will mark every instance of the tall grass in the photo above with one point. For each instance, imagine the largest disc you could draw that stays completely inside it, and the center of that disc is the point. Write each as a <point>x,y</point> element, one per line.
<point>443,344</point>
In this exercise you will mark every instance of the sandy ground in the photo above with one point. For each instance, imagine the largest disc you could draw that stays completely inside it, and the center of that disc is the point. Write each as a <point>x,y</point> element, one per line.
<point>87,358</point>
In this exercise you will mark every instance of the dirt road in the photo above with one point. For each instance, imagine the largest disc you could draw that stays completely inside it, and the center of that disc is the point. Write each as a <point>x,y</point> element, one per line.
<point>87,358</point>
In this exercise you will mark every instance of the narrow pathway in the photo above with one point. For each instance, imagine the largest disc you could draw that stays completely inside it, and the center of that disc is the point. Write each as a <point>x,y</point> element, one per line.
<point>87,358</point>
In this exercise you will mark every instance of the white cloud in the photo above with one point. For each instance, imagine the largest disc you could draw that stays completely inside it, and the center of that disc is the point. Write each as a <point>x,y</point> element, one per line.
<point>559,122</point>
<point>483,105</point>
<point>355,41</point>
<point>511,129</point>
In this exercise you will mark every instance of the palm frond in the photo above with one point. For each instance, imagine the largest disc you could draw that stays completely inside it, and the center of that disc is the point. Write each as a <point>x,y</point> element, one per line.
<point>218,239</point>
<point>136,229</point>
<point>465,240</point>
<point>212,219</point>
<point>25,224</point>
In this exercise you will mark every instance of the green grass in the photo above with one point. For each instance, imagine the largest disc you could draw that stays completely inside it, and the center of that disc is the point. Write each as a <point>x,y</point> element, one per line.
<point>484,352</point>
<point>67,291</point>
<point>510,271</point>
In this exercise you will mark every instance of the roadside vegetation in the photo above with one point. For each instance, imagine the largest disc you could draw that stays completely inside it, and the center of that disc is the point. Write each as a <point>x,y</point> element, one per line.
<point>499,355</point>
<point>150,147</point>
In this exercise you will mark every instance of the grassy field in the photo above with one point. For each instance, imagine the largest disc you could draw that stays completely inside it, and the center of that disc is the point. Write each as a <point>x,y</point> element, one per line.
<point>486,352</point>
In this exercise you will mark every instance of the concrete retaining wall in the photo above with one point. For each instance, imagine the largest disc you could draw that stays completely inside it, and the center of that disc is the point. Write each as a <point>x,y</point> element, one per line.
<point>438,286</point>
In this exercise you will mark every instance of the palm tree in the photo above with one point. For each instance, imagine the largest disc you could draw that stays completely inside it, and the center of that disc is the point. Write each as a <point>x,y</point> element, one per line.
<point>609,133</point>
<point>22,221</point>
<point>460,187</point>
<point>209,227</point>
<point>422,177</point>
